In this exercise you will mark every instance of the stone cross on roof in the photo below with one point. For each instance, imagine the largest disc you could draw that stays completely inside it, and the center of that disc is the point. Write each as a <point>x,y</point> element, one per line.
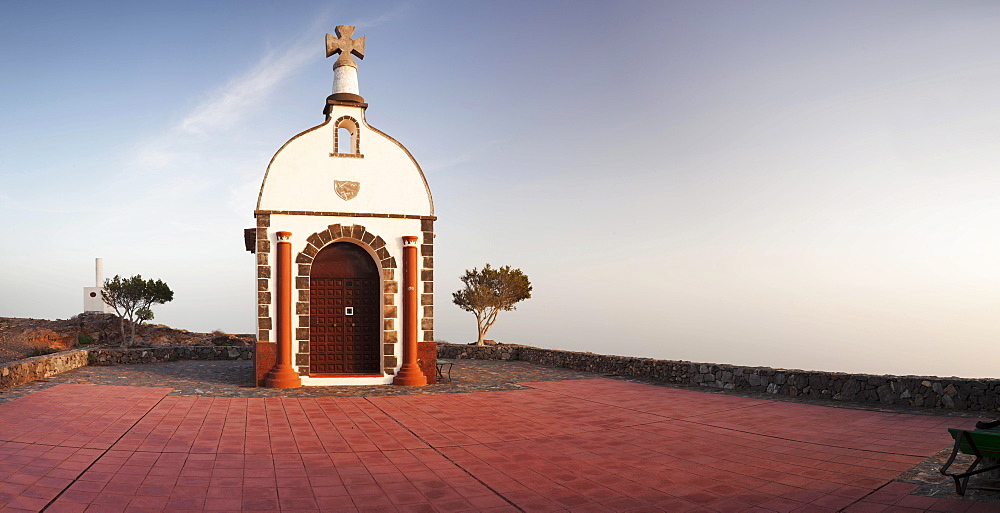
<point>345,46</point>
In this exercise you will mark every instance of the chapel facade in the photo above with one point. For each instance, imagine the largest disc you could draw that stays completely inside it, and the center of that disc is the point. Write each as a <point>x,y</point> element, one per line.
<point>344,246</point>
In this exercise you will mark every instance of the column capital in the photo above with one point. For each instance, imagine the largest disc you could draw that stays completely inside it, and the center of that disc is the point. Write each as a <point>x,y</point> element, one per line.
<point>283,236</point>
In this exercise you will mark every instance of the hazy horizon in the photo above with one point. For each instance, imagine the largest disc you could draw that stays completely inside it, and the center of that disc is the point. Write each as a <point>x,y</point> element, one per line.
<point>783,184</point>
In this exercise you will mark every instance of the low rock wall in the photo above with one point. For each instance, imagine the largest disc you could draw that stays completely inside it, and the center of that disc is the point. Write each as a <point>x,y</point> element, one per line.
<point>498,352</point>
<point>168,354</point>
<point>919,391</point>
<point>40,367</point>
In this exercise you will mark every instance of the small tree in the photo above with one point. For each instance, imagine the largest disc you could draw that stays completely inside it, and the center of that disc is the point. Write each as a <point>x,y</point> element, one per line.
<point>489,291</point>
<point>132,298</point>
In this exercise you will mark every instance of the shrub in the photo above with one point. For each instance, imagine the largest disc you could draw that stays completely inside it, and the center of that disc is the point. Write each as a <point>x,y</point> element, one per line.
<point>132,298</point>
<point>489,291</point>
<point>42,351</point>
<point>84,339</point>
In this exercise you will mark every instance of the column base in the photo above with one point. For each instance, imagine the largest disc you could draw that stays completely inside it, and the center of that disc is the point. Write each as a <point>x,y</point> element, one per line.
<point>410,375</point>
<point>282,377</point>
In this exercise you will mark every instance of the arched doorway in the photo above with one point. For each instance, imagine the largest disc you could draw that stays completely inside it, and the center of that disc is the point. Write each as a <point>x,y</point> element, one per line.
<point>344,312</point>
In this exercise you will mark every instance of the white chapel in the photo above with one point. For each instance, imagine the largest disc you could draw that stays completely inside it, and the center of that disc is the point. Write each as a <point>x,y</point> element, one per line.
<point>344,248</point>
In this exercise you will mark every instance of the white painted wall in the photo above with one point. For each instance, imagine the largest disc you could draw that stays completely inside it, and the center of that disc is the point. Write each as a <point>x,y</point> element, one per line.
<point>95,303</point>
<point>92,301</point>
<point>345,80</point>
<point>302,173</point>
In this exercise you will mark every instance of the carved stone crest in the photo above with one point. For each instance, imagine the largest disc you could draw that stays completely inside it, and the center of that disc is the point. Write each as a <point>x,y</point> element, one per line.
<point>346,190</point>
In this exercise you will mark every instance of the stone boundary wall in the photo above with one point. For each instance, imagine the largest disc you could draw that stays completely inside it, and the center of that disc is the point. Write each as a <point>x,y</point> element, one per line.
<point>919,391</point>
<point>40,367</point>
<point>168,354</point>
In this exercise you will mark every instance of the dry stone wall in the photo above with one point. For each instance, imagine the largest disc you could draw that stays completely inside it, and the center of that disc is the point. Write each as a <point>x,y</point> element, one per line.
<point>40,367</point>
<point>168,354</point>
<point>498,352</point>
<point>917,391</point>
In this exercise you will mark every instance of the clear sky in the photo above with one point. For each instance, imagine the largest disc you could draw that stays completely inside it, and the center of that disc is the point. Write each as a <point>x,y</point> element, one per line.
<point>791,184</point>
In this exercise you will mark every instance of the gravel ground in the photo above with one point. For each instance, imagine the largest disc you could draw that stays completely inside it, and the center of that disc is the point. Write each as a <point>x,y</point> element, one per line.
<point>235,379</point>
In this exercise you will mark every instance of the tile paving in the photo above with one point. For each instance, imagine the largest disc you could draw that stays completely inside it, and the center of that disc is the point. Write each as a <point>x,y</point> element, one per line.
<point>504,436</point>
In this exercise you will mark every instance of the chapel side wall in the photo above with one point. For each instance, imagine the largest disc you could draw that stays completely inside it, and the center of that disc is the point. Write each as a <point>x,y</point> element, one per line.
<point>916,391</point>
<point>265,297</point>
<point>426,277</point>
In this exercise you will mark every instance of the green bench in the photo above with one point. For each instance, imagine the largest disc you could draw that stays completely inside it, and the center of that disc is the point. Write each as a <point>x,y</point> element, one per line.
<point>983,442</point>
<point>441,364</point>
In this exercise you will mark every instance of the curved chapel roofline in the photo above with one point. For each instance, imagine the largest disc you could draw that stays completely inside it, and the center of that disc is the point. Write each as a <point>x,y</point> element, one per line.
<point>364,120</point>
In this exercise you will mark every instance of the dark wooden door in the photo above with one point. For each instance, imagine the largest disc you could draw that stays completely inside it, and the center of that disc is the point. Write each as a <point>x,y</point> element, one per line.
<point>344,312</point>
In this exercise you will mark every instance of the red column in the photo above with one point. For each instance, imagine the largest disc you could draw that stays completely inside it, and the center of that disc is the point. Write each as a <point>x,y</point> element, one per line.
<point>410,374</point>
<point>282,375</point>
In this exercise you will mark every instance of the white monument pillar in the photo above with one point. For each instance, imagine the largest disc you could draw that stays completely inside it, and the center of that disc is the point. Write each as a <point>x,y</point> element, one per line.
<point>92,302</point>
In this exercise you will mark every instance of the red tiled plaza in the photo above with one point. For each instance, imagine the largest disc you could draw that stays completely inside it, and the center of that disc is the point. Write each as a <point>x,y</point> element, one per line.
<point>571,445</point>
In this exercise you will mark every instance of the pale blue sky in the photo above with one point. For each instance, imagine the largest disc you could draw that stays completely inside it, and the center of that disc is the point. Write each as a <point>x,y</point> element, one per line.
<point>795,184</point>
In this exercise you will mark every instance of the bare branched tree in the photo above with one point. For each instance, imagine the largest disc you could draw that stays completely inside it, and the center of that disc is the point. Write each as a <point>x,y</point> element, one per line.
<point>489,291</point>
